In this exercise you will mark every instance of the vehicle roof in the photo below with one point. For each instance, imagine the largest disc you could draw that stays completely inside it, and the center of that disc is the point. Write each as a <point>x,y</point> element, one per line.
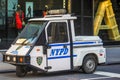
<point>55,17</point>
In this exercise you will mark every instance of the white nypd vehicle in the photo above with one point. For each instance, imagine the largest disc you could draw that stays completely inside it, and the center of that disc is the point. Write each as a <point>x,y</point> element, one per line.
<point>49,44</point>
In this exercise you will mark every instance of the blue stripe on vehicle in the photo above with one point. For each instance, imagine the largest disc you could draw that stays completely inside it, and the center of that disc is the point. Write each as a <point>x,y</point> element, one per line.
<point>15,52</point>
<point>84,43</point>
<point>59,57</point>
<point>75,43</point>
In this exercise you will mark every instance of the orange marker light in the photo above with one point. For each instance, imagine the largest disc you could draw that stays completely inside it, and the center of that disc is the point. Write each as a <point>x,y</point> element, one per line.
<point>37,49</point>
<point>21,59</point>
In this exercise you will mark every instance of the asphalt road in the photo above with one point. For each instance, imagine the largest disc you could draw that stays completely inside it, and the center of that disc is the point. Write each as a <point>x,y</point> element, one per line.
<point>107,72</point>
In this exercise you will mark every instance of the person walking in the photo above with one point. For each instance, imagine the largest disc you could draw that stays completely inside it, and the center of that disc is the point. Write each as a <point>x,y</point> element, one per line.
<point>19,19</point>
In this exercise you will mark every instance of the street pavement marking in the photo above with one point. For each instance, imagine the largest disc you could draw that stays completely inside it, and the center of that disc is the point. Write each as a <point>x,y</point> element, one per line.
<point>109,74</point>
<point>97,78</point>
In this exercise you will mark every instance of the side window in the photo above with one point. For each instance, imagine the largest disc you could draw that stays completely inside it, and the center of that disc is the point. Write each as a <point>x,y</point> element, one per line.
<point>57,32</point>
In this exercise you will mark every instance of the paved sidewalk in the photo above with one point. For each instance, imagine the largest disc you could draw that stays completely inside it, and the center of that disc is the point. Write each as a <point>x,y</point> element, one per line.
<point>5,67</point>
<point>113,55</point>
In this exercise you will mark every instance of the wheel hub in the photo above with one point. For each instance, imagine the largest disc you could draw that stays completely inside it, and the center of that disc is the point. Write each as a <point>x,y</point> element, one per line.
<point>90,64</point>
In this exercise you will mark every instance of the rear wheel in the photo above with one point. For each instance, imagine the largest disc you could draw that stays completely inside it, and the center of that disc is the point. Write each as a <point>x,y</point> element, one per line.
<point>21,71</point>
<point>89,64</point>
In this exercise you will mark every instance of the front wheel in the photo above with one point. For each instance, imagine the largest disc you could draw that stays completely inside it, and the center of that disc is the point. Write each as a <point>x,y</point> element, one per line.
<point>89,64</point>
<point>21,71</point>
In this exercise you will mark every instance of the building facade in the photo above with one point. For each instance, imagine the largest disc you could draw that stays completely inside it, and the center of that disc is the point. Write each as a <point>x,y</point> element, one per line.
<point>84,9</point>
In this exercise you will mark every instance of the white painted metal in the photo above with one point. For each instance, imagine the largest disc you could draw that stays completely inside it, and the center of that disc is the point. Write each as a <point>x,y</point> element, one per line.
<point>36,53</point>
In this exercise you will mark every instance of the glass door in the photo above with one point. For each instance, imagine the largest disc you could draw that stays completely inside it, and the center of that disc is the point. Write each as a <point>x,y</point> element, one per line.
<point>2,14</point>
<point>3,32</point>
<point>11,30</point>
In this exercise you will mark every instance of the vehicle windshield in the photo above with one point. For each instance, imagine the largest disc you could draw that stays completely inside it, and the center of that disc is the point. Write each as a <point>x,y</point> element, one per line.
<point>31,32</point>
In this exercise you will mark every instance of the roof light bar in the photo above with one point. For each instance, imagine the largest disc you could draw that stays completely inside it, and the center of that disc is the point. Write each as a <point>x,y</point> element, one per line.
<point>57,11</point>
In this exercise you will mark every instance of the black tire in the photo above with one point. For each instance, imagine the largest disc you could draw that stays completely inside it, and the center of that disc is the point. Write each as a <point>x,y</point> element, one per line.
<point>89,64</point>
<point>21,71</point>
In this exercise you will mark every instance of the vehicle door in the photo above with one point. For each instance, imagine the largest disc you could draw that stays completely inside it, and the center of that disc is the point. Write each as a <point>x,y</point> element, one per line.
<point>58,50</point>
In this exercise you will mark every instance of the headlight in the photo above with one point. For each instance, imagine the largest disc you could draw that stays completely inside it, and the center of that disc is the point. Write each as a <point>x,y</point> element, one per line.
<point>14,59</point>
<point>8,58</point>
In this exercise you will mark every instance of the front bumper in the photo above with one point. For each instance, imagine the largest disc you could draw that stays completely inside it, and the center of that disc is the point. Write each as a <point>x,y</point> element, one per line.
<point>16,60</point>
